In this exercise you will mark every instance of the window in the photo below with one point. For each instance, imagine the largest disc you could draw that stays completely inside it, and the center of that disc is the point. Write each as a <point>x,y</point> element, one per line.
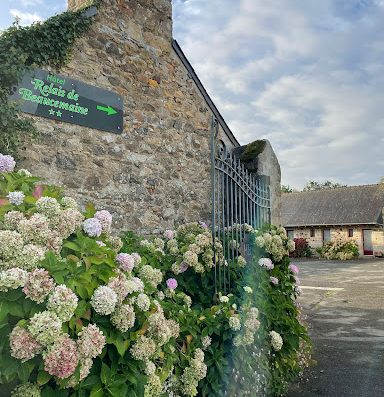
<point>350,232</point>
<point>290,234</point>
<point>312,232</point>
<point>326,235</point>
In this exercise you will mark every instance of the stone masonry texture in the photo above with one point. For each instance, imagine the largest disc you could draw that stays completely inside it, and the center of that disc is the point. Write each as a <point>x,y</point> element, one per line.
<point>156,174</point>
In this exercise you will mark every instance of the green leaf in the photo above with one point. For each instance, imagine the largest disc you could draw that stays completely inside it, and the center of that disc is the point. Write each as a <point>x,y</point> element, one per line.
<point>72,246</point>
<point>90,381</point>
<point>105,374</point>
<point>121,345</point>
<point>3,311</point>
<point>43,378</point>
<point>97,391</point>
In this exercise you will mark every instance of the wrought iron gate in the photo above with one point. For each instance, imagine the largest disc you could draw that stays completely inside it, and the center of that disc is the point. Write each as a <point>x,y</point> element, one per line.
<point>239,200</point>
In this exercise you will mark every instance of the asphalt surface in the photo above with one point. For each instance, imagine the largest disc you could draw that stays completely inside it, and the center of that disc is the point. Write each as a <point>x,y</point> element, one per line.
<point>344,303</point>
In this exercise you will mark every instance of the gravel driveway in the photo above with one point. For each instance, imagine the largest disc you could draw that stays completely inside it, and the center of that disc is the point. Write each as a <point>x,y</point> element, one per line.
<point>344,302</point>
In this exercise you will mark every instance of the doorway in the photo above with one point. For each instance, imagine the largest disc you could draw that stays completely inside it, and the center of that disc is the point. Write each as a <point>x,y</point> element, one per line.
<point>367,242</point>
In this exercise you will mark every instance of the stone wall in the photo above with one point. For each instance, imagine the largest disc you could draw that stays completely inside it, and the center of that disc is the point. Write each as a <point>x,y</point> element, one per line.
<point>157,172</point>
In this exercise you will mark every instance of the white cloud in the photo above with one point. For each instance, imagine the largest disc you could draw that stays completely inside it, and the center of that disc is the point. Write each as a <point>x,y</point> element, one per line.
<point>308,76</point>
<point>26,18</point>
<point>31,3</point>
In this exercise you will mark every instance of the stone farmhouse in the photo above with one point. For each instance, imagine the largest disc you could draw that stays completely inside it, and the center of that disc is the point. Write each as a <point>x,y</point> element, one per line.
<point>356,212</point>
<point>157,172</point>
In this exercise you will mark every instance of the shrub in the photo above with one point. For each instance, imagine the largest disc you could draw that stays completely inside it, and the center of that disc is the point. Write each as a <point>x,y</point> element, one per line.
<point>339,248</point>
<point>84,313</point>
<point>302,248</point>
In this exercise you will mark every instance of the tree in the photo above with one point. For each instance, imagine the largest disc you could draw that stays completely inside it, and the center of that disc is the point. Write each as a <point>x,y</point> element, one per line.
<point>314,185</point>
<point>286,189</point>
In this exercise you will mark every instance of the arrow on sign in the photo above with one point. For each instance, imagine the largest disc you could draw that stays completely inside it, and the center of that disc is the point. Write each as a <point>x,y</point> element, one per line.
<point>109,110</point>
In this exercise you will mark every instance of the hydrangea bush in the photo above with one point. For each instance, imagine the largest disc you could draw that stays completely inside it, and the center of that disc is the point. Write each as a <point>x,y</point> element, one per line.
<point>340,248</point>
<point>84,313</point>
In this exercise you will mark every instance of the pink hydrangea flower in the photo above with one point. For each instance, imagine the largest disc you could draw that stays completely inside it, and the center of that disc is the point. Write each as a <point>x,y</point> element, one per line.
<point>266,262</point>
<point>90,342</point>
<point>105,219</point>
<point>92,227</point>
<point>62,358</point>
<point>293,268</point>
<point>169,234</point>
<point>23,345</point>
<point>274,280</point>
<point>126,261</point>
<point>38,192</point>
<point>203,225</point>
<point>137,258</point>
<point>171,283</point>
<point>7,163</point>
<point>39,285</point>
<point>183,267</point>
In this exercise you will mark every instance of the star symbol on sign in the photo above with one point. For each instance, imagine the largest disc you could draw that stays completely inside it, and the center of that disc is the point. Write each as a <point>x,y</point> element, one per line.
<point>51,112</point>
<point>58,113</point>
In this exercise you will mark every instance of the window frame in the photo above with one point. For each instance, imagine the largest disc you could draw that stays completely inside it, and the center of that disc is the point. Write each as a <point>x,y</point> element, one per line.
<point>312,232</point>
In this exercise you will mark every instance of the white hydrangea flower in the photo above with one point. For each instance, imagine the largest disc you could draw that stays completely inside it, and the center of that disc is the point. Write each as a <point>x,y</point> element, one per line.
<point>45,327</point>
<point>143,302</point>
<point>104,300</point>
<point>11,244</point>
<point>16,198</point>
<point>48,206</point>
<point>241,261</point>
<point>234,323</point>
<point>12,220</point>
<point>266,262</point>
<point>123,318</point>
<point>276,340</point>
<point>143,349</point>
<point>63,302</point>
<point>24,172</point>
<point>224,299</point>
<point>206,342</point>
<point>69,203</point>
<point>248,290</point>
<point>12,279</point>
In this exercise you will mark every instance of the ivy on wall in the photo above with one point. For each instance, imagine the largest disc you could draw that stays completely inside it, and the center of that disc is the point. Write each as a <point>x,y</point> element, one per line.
<point>23,48</point>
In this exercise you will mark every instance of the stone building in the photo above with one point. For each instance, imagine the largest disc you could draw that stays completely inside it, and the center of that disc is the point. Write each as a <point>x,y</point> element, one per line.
<point>355,212</point>
<point>156,173</point>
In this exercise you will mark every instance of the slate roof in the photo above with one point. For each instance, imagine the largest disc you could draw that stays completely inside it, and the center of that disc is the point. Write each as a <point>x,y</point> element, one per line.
<point>354,205</point>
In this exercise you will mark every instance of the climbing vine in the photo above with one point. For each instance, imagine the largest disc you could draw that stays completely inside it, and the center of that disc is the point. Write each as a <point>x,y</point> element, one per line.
<point>21,48</point>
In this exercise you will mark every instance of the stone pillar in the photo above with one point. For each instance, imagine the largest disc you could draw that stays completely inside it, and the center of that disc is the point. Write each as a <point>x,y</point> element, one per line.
<point>260,159</point>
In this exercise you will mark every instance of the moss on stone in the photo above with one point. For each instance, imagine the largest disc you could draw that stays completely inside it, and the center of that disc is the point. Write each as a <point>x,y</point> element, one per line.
<point>253,150</point>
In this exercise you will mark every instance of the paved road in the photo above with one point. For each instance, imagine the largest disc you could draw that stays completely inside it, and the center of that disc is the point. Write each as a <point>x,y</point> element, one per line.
<point>344,302</point>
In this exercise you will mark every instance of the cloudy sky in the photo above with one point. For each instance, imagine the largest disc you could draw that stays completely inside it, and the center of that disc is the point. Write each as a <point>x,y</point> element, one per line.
<point>306,74</point>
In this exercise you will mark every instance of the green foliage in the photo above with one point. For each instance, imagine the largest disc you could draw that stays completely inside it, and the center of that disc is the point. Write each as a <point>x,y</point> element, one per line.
<point>339,248</point>
<point>238,370</point>
<point>287,189</point>
<point>239,362</point>
<point>314,185</point>
<point>21,48</point>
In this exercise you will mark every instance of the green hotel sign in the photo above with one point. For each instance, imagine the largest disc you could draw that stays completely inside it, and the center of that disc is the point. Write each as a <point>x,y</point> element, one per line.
<point>61,98</point>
